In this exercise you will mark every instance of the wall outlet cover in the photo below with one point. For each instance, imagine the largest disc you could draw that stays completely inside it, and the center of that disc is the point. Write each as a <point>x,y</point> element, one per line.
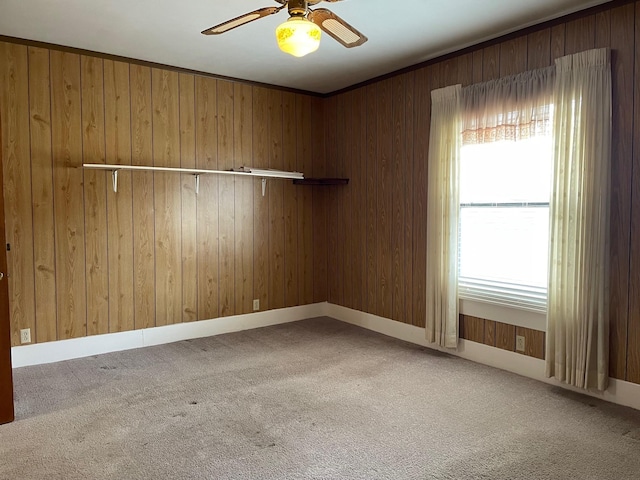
<point>25,335</point>
<point>256,305</point>
<point>519,343</point>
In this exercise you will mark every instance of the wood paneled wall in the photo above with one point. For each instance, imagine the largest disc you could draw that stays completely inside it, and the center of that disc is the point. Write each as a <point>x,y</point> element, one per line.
<point>378,136</point>
<point>85,260</point>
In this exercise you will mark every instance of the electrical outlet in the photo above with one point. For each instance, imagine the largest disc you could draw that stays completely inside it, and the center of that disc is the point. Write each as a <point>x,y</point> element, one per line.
<point>519,343</point>
<point>25,335</point>
<point>256,305</point>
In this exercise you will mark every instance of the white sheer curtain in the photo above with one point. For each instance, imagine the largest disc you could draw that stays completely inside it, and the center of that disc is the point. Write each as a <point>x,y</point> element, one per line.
<point>578,311</point>
<point>442,217</point>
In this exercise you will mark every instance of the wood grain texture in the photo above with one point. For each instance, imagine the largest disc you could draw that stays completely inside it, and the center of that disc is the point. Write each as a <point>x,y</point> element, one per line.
<point>42,195</point>
<point>534,342</point>
<point>117,99</point>
<point>261,151</point>
<point>95,194</point>
<point>409,166</point>
<point>318,195</point>
<point>144,257</point>
<point>153,252</point>
<point>633,339</point>
<point>331,140</point>
<point>558,36</point>
<point>539,49</point>
<point>423,88</point>
<point>472,328</point>
<point>506,337</point>
<point>580,35</point>
<point>513,56</point>
<point>66,128</point>
<point>383,188</point>
<point>398,180</point>
<point>290,206</point>
<point>189,199</point>
<point>226,201</point>
<point>489,333</point>
<point>14,92</point>
<point>622,142</point>
<point>309,149</point>
<point>167,197</point>
<point>372,205</point>
<point>243,206</point>
<point>491,62</point>
<point>207,158</point>
<point>276,203</point>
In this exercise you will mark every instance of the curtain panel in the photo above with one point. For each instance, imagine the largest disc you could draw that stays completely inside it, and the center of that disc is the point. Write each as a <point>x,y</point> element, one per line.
<point>578,293</point>
<point>509,108</point>
<point>443,205</point>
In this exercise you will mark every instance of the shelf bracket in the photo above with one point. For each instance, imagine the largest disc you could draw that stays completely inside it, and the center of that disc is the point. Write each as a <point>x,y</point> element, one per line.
<point>114,177</point>
<point>197,183</point>
<point>264,186</point>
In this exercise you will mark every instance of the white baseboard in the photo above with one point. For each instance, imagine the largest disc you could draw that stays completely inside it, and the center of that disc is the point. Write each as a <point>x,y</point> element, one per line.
<point>50,352</point>
<point>619,391</point>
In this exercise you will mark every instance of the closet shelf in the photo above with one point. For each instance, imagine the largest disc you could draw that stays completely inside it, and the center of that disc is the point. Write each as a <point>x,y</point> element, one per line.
<point>320,181</point>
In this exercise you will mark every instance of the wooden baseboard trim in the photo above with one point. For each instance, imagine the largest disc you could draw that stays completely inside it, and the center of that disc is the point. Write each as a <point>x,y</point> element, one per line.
<point>50,352</point>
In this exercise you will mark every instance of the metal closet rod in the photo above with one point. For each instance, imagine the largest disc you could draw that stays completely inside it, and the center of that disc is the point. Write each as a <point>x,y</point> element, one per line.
<point>250,171</point>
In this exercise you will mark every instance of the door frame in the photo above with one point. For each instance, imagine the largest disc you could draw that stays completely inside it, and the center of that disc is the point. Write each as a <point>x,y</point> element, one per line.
<point>7,413</point>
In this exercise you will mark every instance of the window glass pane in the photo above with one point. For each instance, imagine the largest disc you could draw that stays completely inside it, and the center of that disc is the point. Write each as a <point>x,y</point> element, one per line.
<point>505,172</point>
<point>508,244</point>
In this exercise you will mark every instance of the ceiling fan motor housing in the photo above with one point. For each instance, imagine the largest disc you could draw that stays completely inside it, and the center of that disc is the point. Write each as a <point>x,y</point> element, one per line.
<point>297,8</point>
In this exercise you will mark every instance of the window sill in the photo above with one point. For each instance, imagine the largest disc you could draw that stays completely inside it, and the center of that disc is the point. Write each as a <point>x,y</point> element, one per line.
<point>503,314</point>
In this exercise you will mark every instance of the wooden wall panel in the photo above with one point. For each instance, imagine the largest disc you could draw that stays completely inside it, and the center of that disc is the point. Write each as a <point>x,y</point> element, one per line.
<point>310,149</point>
<point>331,135</point>
<point>423,86</point>
<point>207,201</point>
<point>633,326</point>
<point>275,204</point>
<point>14,93</point>
<point>261,151</point>
<point>580,35</point>
<point>167,196</point>
<point>506,336</point>
<point>622,43</point>
<point>189,199</point>
<point>226,200</point>
<point>396,185</point>
<point>95,194</point>
<point>144,256</point>
<point>539,49</point>
<point>66,128</point>
<point>371,206</point>
<point>409,166</point>
<point>513,56</point>
<point>290,192</point>
<point>243,204</point>
<point>315,255</point>
<point>119,204</point>
<point>384,184</point>
<point>345,245</point>
<point>472,328</point>
<point>534,342</point>
<point>88,260</point>
<point>42,195</point>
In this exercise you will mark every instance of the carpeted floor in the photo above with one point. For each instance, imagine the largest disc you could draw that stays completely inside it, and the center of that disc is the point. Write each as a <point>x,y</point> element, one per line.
<point>313,399</point>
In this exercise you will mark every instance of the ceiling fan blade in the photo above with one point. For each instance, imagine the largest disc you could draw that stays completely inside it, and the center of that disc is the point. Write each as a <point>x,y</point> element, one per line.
<point>241,20</point>
<point>337,28</point>
<point>314,2</point>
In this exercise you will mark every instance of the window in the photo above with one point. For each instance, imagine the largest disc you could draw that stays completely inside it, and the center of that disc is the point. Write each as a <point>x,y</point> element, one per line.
<point>505,188</point>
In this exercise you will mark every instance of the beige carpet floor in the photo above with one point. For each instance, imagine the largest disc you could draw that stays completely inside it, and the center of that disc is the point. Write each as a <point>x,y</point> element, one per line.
<point>317,399</point>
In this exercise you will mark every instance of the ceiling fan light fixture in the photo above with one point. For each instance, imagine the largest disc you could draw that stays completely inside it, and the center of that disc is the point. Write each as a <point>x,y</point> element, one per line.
<point>298,36</point>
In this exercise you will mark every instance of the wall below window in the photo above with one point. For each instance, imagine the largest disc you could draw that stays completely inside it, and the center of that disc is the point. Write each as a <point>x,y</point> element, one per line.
<point>85,260</point>
<point>378,136</point>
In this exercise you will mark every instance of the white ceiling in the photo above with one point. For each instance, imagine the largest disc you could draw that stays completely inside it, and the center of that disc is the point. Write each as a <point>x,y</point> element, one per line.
<point>401,33</point>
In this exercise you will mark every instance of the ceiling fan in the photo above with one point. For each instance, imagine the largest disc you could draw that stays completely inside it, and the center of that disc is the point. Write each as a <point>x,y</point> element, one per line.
<point>300,34</point>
